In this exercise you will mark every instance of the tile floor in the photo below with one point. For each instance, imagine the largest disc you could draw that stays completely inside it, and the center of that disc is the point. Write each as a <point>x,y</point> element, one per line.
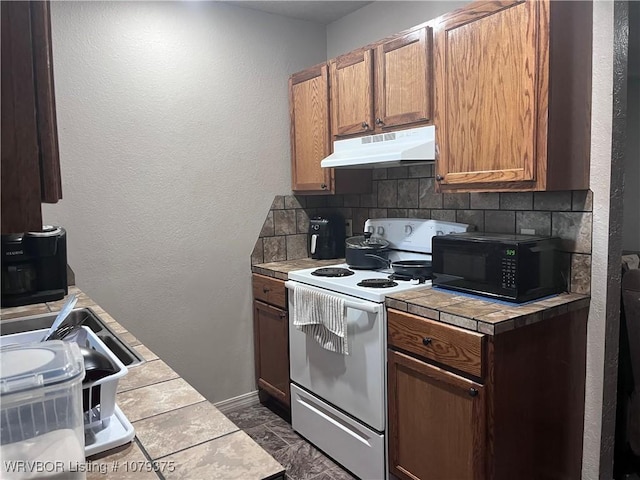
<point>301,460</point>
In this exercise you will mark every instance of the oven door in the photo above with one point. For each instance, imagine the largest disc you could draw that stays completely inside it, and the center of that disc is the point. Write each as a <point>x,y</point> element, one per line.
<point>353,383</point>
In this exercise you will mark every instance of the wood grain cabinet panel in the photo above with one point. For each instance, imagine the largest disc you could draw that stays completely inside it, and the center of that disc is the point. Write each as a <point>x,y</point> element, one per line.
<point>523,419</point>
<point>269,290</point>
<point>403,80</point>
<point>511,111</point>
<point>271,350</point>
<point>352,93</point>
<point>436,422</point>
<point>30,160</point>
<point>310,138</point>
<point>455,347</point>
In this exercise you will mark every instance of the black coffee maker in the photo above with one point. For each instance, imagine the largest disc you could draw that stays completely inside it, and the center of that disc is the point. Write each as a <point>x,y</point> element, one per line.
<point>34,267</point>
<point>326,237</point>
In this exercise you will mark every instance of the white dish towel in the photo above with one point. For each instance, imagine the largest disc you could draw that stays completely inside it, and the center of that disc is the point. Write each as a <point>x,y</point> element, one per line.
<point>322,316</point>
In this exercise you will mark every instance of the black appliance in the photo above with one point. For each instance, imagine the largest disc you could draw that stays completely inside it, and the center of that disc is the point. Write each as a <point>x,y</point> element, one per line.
<point>515,268</point>
<point>326,237</point>
<point>34,267</point>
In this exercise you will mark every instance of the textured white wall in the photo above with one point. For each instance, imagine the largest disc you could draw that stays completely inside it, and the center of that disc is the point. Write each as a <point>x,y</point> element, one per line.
<point>600,183</point>
<point>174,138</point>
<point>381,19</point>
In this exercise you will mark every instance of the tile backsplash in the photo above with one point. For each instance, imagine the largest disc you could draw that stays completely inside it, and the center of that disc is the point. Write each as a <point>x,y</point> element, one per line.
<point>409,192</point>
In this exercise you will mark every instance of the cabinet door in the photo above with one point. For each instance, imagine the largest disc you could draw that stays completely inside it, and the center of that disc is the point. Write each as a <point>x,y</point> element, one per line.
<point>310,139</point>
<point>403,80</point>
<point>51,181</point>
<point>20,164</point>
<point>352,93</point>
<point>487,75</point>
<point>30,162</point>
<point>436,422</point>
<point>271,346</point>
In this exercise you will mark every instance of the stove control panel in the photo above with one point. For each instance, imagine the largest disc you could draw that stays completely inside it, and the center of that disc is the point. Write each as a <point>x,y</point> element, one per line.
<point>413,234</point>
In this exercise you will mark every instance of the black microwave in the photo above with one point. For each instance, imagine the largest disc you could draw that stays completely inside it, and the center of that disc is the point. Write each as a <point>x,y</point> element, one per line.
<point>516,268</point>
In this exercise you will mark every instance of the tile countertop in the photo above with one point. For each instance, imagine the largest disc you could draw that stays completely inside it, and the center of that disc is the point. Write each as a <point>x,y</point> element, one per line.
<point>281,269</point>
<point>460,310</point>
<point>175,425</point>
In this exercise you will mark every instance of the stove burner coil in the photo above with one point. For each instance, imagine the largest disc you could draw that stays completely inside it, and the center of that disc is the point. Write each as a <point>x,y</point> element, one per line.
<point>377,283</point>
<point>332,272</point>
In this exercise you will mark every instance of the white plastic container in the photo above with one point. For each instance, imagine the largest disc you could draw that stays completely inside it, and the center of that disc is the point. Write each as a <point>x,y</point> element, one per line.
<point>41,418</point>
<point>105,388</point>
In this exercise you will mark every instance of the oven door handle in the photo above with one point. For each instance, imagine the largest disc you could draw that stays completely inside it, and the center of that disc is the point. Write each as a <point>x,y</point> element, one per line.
<point>365,307</point>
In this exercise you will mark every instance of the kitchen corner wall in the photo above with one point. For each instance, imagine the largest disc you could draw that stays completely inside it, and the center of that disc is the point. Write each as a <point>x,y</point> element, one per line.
<point>409,192</point>
<point>173,125</point>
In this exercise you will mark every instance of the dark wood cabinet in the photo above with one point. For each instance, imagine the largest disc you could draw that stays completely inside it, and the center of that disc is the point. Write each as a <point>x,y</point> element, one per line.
<point>463,405</point>
<point>436,421</point>
<point>512,90</point>
<point>30,159</point>
<point>271,338</point>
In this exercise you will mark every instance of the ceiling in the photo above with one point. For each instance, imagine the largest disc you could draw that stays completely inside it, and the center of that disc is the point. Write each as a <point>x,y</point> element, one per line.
<point>323,12</point>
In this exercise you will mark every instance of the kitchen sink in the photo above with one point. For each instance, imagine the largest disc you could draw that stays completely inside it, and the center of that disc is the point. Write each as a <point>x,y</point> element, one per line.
<point>120,349</point>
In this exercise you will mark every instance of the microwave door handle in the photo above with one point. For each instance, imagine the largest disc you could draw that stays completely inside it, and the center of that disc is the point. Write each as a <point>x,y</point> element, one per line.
<point>365,307</point>
<point>314,241</point>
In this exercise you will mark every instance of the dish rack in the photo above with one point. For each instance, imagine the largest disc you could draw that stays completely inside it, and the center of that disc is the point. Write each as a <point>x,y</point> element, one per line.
<point>98,397</point>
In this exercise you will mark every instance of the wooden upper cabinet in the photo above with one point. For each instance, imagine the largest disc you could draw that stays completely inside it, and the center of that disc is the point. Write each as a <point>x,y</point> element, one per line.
<point>488,71</point>
<point>403,80</point>
<point>352,93</point>
<point>310,137</point>
<point>30,161</point>
<point>496,127</point>
<point>384,87</point>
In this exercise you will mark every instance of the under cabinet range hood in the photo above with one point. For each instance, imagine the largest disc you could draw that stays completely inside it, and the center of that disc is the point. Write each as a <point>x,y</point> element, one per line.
<point>392,149</point>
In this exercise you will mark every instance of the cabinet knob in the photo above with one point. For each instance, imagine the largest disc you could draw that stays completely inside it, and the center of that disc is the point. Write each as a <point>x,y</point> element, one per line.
<point>323,186</point>
<point>426,341</point>
<point>473,392</point>
<point>439,178</point>
<point>365,125</point>
<point>265,290</point>
<point>283,314</point>
<point>379,121</point>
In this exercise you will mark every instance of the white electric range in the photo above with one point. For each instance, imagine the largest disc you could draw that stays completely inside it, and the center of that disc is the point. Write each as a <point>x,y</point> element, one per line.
<point>338,402</point>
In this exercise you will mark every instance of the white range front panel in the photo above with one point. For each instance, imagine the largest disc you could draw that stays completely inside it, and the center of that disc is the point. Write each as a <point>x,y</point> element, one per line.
<point>354,383</point>
<point>358,448</point>
<point>349,285</point>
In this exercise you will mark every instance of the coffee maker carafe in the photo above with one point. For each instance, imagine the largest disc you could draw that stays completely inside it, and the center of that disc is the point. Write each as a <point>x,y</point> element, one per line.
<point>34,267</point>
<point>326,237</point>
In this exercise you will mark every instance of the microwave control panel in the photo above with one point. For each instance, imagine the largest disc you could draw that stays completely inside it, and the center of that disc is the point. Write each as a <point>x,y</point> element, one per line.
<point>509,269</point>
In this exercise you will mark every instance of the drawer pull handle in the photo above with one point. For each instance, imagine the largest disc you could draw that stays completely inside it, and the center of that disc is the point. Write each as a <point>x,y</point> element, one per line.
<point>283,314</point>
<point>473,392</point>
<point>426,341</point>
<point>265,290</point>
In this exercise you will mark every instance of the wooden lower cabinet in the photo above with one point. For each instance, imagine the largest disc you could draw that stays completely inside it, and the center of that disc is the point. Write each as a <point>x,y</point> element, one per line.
<point>521,418</point>
<point>271,344</point>
<point>436,422</point>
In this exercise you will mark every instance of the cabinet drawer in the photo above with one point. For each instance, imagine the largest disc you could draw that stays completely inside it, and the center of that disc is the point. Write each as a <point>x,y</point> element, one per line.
<point>269,290</point>
<point>451,346</point>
